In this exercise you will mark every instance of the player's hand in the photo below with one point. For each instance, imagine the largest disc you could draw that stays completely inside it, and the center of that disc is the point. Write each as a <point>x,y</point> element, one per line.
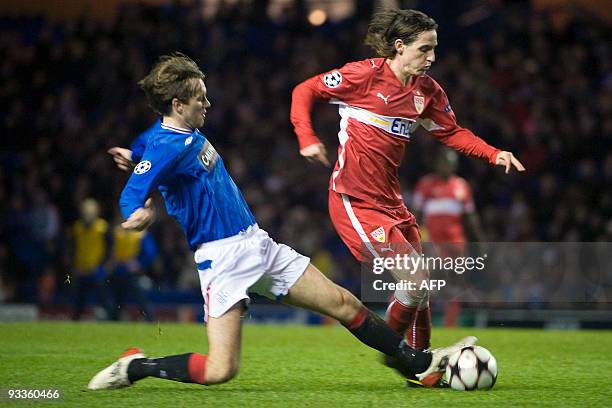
<point>141,218</point>
<point>316,153</point>
<point>122,158</point>
<point>508,160</point>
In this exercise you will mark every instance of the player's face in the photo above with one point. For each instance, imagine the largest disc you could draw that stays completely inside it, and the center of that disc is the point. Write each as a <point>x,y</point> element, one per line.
<point>194,112</point>
<point>417,57</point>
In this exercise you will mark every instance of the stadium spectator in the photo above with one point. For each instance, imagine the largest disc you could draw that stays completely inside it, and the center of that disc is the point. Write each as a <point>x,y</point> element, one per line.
<point>125,271</point>
<point>91,238</point>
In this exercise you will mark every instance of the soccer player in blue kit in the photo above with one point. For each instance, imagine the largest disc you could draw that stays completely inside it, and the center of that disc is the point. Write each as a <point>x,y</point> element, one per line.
<point>232,254</point>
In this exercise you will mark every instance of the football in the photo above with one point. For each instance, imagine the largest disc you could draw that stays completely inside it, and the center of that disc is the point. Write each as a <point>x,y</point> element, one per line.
<point>471,368</point>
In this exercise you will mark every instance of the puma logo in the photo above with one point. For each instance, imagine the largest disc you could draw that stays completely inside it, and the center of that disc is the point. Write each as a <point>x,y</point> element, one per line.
<point>373,64</point>
<point>387,248</point>
<point>384,98</point>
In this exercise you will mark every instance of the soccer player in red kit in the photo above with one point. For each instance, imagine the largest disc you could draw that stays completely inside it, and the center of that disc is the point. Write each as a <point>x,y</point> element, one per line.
<point>443,202</point>
<point>381,103</point>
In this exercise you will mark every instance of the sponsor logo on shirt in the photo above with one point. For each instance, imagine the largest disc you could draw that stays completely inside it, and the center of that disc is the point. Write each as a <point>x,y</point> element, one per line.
<point>208,155</point>
<point>401,127</point>
<point>142,167</point>
<point>333,79</point>
<point>379,234</point>
<point>394,125</point>
<point>188,140</point>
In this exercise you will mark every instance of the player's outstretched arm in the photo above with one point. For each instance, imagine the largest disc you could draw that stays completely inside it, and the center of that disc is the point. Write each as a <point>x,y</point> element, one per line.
<point>122,158</point>
<point>508,160</point>
<point>442,123</point>
<point>302,99</point>
<point>141,218</point>
<point>316,153</point>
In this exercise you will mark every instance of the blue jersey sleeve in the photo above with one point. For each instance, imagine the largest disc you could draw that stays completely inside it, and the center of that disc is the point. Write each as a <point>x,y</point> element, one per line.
<point>139,145</point>
<point>156,164</point>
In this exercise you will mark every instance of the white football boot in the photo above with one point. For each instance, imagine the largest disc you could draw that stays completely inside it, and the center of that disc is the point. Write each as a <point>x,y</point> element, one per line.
<point>115,375</point>
<point>440,356</point>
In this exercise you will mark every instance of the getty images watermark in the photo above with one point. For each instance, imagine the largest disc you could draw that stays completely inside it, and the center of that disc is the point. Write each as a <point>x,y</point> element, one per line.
<point>412,271</point>
<point>533,273</point>
<point>412,263</point>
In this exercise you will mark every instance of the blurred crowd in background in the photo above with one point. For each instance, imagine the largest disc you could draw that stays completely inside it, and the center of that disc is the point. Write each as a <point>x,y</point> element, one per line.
<point>69,92</point>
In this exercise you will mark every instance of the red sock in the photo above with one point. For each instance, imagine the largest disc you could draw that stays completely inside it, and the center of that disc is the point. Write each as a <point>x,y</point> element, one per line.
<point>197,367</point>
<point>418,334</point>
<point>358,319</point>
<point>400,317</point>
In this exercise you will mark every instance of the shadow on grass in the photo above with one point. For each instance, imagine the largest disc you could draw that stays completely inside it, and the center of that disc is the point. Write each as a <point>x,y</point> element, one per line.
<point>293,387</point>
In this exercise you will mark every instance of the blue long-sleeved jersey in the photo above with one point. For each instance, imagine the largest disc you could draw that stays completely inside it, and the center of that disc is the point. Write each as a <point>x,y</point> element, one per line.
<point>190,174</point>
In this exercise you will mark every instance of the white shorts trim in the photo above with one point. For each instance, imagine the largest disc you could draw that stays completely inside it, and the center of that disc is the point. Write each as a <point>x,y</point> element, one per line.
<point>357,225</point>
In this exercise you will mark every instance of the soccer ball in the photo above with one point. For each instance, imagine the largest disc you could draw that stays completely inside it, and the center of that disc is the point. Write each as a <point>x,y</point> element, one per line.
<point>471,368</point>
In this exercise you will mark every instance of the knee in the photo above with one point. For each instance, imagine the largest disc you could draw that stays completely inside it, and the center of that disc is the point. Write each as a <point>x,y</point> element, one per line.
<point>220,374</point>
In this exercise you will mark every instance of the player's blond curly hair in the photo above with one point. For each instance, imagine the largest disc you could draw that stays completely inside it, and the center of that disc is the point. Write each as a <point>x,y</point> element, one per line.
<point>389,24</point>
<point>171,77</point>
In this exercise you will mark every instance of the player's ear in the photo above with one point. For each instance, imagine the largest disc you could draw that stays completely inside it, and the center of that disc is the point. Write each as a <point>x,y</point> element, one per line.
<point>399,46</point>
<point>177,105</point>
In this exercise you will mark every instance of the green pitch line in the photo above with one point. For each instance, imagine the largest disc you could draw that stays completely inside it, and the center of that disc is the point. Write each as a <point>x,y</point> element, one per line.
<point>301,366</point>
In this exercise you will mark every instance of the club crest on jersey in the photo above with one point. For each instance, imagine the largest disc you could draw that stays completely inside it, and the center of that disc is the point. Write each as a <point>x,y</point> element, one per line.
<point>333,79</point>
<point>142,167</point>
<point>419,103</point>
<point>379,234</point>
<point>208,155</point>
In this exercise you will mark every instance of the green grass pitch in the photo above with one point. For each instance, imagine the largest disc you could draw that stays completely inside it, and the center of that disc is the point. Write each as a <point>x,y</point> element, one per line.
<point>301,366</point>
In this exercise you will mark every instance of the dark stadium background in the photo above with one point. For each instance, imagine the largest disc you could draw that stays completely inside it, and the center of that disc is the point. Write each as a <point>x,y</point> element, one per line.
<point>533,77</point>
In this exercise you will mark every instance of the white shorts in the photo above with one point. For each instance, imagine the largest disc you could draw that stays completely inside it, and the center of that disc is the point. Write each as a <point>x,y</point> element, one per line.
<point>251,261</point>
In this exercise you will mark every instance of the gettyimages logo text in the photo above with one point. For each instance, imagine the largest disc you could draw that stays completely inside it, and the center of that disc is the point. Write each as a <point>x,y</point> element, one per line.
<point>411,263</point>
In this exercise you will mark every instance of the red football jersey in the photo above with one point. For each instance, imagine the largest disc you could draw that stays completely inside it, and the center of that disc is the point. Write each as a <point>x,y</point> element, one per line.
<point>442,203</point>
<point>377,117</point>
